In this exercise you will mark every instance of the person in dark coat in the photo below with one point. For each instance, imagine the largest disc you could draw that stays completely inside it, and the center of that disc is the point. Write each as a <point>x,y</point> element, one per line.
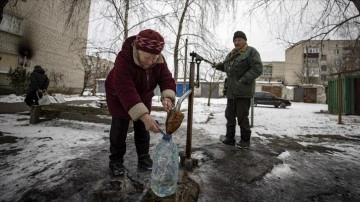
<point>139,67</point>
<point>242,66</point>
<point>39,82</point>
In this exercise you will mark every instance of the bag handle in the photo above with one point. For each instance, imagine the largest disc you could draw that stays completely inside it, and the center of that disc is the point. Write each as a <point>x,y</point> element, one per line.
<point>37,93</point>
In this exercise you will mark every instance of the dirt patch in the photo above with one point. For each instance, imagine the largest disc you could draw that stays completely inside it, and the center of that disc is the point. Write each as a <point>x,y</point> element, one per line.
<point>291,144</point>
<point>39,195</point>
<point>333,138</point>
<point>187,191</point>
<point>8,139</point>
<point>113,190</point>
<point>9,152</point>
<point>311,142</point>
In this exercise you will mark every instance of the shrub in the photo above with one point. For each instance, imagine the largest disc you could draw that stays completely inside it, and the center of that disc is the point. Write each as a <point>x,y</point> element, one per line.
<point>19,80</point>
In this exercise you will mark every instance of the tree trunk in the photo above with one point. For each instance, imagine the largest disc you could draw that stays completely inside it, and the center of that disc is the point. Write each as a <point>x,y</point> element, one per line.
<point>177,43</point>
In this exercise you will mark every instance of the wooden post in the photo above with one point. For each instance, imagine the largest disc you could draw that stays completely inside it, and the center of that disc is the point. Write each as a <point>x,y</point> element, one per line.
<point>339,86</point>
<point>339,91</point>
<point>35,113</point>
<point>252,112</point>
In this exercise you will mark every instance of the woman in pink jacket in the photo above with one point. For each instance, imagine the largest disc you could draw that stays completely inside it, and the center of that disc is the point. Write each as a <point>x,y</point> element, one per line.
<point>138,69</point>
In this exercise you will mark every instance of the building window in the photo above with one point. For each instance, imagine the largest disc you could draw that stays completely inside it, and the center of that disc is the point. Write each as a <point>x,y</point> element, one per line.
<point>313,60</point>
<point>23,61</point>
<point>11,24</point>
<point>267,72</point>
<point>323,57</point>
<point>314,71</point>
<point>311,50</point>
<point>337,62</point>
<point>337,52</point>
<point>323,68</point>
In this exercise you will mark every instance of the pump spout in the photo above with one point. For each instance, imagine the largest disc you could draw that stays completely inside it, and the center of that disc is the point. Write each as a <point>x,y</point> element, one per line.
<point>181,99</point>
<point>175,116</point>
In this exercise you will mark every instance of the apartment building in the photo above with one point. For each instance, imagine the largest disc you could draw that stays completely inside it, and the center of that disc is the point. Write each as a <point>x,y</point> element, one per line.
<point>311,62</point>
<point>34,33</point>
<point>273,72</point>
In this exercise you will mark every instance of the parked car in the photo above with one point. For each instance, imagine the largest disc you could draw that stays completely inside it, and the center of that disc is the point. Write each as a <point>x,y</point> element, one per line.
<point>266,98</point>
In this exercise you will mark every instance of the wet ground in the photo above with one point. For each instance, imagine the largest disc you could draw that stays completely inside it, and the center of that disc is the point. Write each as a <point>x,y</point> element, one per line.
<point>224,173</point>
<point>272,169</point>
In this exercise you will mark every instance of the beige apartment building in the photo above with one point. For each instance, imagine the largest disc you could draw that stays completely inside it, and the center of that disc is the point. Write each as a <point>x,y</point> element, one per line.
<point>34,33</point>
<point>307,68</point>
<point>273,72</point>
<point>312,62</point>
<point>272,78</point>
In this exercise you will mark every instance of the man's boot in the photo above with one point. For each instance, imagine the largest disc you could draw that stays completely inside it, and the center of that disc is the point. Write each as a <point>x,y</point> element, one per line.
<point>230,136</point>
<point>244,142</point>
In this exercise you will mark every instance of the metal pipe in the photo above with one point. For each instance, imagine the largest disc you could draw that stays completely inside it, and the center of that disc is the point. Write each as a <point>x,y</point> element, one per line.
<point>190,110</point>
<point>197,83</point>
<point>252,112</point>
<point>181,99</point>
<point>188,162</point>
<point>198,57</point>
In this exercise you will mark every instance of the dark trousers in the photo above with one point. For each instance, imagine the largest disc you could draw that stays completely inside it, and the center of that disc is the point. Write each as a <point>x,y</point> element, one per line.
<point>239,109</point>
<point>118,134</point>
<point>31,98</point>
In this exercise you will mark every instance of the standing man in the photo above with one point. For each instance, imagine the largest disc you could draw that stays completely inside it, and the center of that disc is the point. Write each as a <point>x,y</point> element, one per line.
<point>242,66</point>
<point>138,69</point>
<point>39,82</point>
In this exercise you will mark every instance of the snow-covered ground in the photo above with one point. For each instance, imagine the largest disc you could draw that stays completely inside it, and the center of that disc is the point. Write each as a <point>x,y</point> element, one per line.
<point>56,141</point>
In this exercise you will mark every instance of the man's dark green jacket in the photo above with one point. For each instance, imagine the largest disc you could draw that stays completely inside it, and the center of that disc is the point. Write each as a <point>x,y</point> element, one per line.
<point>241,75</point>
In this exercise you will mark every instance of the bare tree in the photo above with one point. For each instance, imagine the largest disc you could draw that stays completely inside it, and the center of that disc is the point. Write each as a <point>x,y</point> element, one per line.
<point>94,68</point>
<point>211,75</point>
<point>189,18</point>
<point>121,18</point>
<point>314,19</point>
<point>350,59</point>
<point>73,10</point>
<point>57,80</point>
<point>193,19</point>
<point>86,67</point>
<point>306,75</point>
<point>213,78</point>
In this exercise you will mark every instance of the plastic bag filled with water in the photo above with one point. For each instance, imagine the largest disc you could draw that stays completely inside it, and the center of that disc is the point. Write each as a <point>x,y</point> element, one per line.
<point>164,175</point>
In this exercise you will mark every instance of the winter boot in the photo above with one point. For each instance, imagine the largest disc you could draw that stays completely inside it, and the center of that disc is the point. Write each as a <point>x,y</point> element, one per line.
<point>242,144</point>
<point>230,136</point>
<point>117,167</point>
<point>245,134</point>
<point>145,162</point>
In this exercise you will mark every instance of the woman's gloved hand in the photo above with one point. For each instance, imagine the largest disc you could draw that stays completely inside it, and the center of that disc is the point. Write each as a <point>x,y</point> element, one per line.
<point>150,123</point>
<point>167,104</point>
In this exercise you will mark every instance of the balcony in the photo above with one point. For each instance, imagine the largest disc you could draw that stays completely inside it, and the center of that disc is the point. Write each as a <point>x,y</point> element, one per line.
<point>311,55</point>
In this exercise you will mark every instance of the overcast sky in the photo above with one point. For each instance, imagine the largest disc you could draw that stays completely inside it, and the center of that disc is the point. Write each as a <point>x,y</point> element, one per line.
<point>255,28</point>
<point>258,35</point>
<point>266,29</point>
